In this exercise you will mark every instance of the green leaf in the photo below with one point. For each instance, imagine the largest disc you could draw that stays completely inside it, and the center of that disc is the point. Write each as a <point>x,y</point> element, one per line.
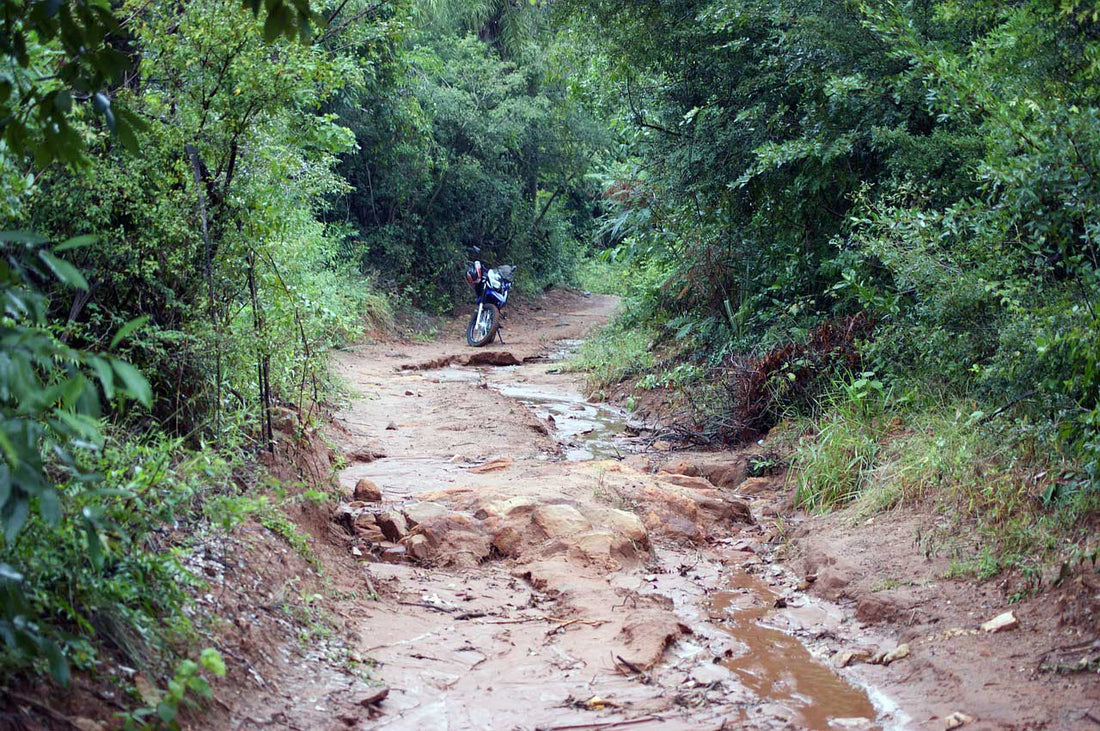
<point>21,237</point>
<point>64,271</point>
<point>49,507</point>
<point>135,383</point>
<point>59,666</point>
<point>212,660</point>
<point>105,374</point>
<point>128,328</point>
<point>166,712</point>
<point>20,509</point>
<point>77,242</point>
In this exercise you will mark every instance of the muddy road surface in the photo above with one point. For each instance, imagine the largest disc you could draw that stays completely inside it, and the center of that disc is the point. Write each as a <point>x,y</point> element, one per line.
<point>530,561</point>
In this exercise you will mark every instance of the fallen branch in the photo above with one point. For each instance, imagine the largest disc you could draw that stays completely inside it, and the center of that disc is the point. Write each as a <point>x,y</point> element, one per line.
<point>568,622</point>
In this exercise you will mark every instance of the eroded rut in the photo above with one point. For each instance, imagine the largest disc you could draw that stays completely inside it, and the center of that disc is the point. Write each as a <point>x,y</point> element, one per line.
<point>534,571</point>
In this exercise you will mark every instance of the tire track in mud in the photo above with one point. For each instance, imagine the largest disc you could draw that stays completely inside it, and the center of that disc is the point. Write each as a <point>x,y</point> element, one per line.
<point>521,589</point>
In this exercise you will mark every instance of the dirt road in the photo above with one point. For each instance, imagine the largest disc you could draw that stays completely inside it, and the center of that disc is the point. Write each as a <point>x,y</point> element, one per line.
<point>528,570</point>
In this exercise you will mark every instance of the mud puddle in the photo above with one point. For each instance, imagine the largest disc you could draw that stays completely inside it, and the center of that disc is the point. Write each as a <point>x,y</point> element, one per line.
<point>778,667</point>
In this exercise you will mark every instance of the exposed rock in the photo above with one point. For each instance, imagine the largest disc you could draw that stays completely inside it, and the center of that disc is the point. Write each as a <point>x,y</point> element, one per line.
<point>1001,623</point>
<point>417,546</point>
<point>602,545</point>
<point>365,454</point>
<point>696,483</point>
<point>371,534</point>
<point>560,520</point>
<point>674,526</point>
<point>507,508</point>
<point>662,445</point>
<point>726,475</point>
<point>620,521</point>
<point>847,657</point>
<point>418,513</point>
<point>832,581</point>
<point>454,540</point>
<point>639,462</point>
<point>507,541</point>
<point>647,633</point>
<point>680,467</point>
<point>393,525</point>
<point>367,491</point>
<point>880,608</point>
<point>345,516</point>
<point>755,486</point>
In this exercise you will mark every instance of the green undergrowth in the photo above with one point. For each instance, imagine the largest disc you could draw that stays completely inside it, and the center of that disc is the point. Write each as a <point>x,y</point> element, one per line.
<point>107,584</point>
<point>616,353</point>
<point>1004,496</point>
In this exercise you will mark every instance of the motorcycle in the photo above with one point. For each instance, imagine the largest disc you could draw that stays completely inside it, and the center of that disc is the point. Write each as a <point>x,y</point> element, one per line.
<point>491,288</point>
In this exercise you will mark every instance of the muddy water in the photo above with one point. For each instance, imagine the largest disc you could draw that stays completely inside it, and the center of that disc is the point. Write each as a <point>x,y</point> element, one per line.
<point>776,666</point>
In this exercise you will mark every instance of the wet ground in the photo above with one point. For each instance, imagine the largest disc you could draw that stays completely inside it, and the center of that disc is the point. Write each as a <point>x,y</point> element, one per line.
<point>541,581</point>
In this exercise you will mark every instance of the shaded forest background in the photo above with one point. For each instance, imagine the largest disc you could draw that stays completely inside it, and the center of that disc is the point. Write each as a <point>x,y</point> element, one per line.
<point>867,226</point>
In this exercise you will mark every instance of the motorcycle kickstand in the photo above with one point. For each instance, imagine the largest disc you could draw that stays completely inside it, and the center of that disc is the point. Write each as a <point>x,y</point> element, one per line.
<point>501,337</point>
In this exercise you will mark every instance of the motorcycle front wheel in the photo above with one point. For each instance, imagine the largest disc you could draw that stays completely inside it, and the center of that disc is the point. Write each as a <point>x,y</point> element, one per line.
<point>481,329</point>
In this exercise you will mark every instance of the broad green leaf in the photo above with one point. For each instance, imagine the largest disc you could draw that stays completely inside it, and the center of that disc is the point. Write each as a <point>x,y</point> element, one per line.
<point>63,270</point>
<point>135,383</point>
<point>59,665</point>
<point>77,242</point>
<point>127,329</point>
<point>49,506</point>
<point>19,510</point>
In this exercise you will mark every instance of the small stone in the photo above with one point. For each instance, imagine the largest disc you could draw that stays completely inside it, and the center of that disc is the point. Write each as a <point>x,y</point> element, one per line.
<point>394,554</point>
<point>957,720</point>
<point>1001,623</point>
<point>417,546</point>
<point>409,393</point>
<point>87,724</point>
<point>662,445</point>
<point>847,657</point>
<point>899,652</point>
<point>393,525</point>
<point>418,513</point>
<point>367,491</point>
<point>391,426</point>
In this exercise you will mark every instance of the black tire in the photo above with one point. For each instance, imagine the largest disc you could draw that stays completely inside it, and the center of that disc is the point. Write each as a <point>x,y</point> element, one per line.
<point>478,336</point>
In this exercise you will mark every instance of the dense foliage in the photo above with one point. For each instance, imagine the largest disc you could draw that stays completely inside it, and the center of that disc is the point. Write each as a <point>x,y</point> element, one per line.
<point>929,163</point>
<point>242,184</point>
<point>240,187</point>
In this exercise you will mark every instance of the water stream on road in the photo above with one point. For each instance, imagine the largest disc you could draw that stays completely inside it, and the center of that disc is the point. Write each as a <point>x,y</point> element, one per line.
<point>772,664</point>
<point>726,606</point>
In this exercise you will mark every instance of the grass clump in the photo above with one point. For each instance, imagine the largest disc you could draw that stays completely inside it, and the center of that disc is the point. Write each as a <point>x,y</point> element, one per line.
<point>614,354</point>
